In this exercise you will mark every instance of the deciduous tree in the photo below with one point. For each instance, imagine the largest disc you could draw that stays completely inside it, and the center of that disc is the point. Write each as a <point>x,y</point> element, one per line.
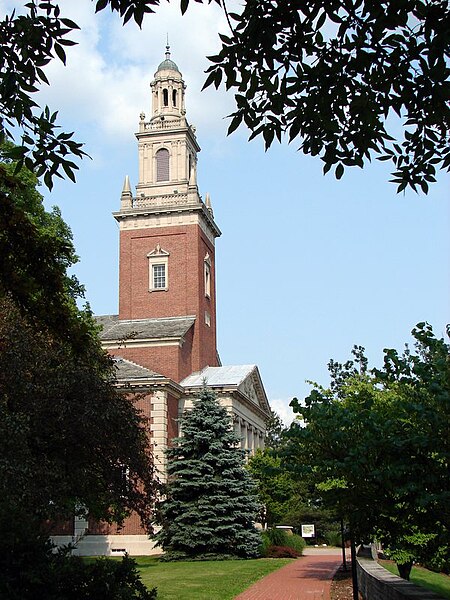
<point>332,76</point>
<point>69,442</point>
<point>376,445</point>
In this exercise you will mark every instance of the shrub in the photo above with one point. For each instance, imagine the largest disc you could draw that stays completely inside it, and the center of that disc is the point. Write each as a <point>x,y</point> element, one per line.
<point>265,543</point>
<point>59,576</point>
<point>333,537</point>
<point>278,537</point>
<point>439,561</point>
<point>282,552</point>
<point>296,542</point>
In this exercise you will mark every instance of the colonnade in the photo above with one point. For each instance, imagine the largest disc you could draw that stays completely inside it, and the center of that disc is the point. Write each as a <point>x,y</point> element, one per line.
<point>250,435</point>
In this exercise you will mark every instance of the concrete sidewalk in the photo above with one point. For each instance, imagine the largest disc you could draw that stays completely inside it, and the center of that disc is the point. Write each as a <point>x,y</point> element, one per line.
<point>306,578</point>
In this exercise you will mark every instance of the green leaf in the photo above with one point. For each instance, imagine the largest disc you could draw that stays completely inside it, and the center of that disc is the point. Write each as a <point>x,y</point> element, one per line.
<point>339,171</point>
<point>101,4</point>
<point>236,121</point>
<point>184,6</point>
<point>60,53</point>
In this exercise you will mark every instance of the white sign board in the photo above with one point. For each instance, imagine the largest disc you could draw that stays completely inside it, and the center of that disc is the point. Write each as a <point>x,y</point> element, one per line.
<point>308,531</point>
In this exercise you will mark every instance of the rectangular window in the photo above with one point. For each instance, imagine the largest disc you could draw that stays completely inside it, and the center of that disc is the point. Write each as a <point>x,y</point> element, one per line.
<point>207,280</point>
<point>158,269</point>
<point>207,275</point>
<point>159,277</point>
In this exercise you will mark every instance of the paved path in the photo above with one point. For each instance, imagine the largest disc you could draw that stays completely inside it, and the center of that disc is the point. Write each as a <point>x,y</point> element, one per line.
<point>307,578</point>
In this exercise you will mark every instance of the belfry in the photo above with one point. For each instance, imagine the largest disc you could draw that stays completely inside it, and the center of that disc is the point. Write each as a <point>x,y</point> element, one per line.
<point>163,338</point>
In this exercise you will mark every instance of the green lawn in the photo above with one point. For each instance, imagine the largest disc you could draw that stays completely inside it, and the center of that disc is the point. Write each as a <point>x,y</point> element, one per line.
<point>209,580</point>
<point>437,582</point>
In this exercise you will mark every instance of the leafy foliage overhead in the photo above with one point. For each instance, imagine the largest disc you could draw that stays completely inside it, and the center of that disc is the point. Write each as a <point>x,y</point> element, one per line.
<point>30,41</point>
<point>32,36</point>
<point>334,74</point>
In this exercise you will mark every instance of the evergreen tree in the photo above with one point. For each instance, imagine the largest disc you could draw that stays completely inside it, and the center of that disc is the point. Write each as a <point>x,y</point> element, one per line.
<point>211,502</point>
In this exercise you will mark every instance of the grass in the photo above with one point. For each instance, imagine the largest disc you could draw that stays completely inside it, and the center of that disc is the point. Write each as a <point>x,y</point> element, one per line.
<point>209,580</point>
<point>437,582</point>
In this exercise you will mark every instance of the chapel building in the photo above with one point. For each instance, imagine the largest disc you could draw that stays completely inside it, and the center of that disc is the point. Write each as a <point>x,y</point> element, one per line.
<point>163,338</point>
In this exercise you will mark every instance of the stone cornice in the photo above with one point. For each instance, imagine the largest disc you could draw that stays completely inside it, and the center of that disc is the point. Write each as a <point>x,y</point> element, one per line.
<point>169,216</point>
<point>142,343</point>
<point>232,392</point>
<point>167,128</point>
<point>144,384</point>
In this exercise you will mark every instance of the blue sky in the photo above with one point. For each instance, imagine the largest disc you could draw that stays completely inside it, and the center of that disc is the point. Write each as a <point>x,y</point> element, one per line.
<point>306,267</point>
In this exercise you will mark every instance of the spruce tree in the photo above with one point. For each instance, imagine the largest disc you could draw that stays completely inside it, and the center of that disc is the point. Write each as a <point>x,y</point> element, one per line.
<point>211,502</point>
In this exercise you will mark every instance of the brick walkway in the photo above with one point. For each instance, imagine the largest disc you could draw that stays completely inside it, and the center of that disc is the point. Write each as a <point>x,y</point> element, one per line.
<point>307,578</point>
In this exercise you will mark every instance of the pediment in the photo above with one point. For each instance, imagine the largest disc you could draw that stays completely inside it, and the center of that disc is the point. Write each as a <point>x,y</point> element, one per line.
<point>252,388</point>
<point>157,251</point>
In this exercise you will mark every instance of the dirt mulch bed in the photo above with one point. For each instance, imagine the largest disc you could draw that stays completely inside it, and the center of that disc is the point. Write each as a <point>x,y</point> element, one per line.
<point>341,586</point>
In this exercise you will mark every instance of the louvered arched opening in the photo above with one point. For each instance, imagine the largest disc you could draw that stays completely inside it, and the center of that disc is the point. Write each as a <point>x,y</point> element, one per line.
<point>162,165</point>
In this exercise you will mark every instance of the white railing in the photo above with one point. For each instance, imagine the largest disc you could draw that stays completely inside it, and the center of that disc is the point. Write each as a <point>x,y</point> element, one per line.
<point>166,200</point>
<point>159,124</point>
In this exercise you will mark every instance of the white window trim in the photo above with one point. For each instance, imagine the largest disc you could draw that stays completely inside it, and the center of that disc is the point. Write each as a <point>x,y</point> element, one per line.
<point>158,256</point>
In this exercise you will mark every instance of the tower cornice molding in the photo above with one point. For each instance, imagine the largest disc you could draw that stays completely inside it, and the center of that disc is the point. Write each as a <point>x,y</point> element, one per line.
<point>157,216</point>
<point>167,128</point>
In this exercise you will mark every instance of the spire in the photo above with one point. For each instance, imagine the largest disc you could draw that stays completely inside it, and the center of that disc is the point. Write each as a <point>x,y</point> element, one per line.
<point>208,204</point>
<point>126,185</point>
<point>167,48</point>
<point>126,199</point>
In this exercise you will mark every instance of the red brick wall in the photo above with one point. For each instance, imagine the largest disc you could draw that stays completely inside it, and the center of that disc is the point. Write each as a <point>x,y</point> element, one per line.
<point>187,246</point>
<point>135,300</point>
<point>131,526</point>
<point>60,527</point>
<point>171,361</point>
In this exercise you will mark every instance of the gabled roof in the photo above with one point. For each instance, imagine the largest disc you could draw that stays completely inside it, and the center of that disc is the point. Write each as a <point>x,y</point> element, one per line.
<point>128,370</point>
<point>242,379</point>
<point>143,329</point>
<point>231,375</point>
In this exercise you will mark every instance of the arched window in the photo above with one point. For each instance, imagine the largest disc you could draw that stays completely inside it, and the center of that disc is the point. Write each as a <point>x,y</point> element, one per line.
<point>165,97</point>
<point>162,165</point>
<point>174,97</point>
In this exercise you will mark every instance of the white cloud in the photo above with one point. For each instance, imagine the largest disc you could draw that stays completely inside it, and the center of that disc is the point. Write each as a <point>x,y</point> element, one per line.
<point>282,408</point>
<point>105,84</point>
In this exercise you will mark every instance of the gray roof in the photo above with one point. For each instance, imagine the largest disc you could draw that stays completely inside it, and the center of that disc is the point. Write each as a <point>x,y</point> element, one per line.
<point>128,370</point>
<point>167,65</point>
<point>219,376</point>
<point>137,329</point>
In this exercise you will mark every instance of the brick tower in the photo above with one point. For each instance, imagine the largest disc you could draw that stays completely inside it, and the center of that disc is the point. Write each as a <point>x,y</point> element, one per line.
<point>164,337</point>
<point>167,244</point>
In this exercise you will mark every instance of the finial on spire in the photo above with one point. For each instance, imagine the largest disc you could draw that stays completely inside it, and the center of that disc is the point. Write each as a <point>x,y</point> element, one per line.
<point>167,47</point>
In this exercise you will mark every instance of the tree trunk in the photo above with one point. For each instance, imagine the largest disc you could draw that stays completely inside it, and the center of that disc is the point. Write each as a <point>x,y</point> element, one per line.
<point>354,572</point>
<point>404,569</point>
